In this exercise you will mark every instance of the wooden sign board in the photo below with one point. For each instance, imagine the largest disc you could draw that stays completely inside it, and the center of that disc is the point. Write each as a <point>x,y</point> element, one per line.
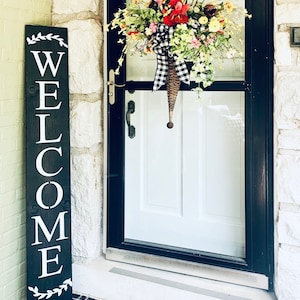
<point>48,164</point>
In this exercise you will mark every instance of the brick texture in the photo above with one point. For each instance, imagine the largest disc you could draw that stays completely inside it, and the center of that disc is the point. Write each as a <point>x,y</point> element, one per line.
<point>14,15</point>
<point>287,166</point>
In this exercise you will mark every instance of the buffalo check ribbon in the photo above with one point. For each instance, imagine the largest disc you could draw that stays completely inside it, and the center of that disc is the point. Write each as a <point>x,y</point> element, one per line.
<point>162,50</point>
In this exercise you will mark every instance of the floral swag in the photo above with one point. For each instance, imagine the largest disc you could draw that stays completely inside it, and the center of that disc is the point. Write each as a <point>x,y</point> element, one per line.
<point>180,32</point>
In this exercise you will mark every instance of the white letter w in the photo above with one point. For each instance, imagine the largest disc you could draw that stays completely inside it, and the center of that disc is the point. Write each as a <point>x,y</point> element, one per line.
<point>49,61</point>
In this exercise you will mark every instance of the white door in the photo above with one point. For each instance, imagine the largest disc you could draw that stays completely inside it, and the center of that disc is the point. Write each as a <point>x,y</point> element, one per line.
<point>184,187</point>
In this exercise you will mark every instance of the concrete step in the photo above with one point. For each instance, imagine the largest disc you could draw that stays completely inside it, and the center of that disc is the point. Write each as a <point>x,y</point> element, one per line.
<point>105,280</point>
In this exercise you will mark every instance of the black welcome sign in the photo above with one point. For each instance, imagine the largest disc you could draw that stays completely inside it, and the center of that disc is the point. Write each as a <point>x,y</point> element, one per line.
<point>48,164</point>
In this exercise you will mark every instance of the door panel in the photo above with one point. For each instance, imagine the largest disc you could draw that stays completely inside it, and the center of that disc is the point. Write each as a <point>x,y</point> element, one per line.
<point>185,187</point>
<point>146,155</point>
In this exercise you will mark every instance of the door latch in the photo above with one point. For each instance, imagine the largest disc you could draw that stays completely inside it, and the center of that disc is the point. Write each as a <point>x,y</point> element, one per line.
<point>111,86</point>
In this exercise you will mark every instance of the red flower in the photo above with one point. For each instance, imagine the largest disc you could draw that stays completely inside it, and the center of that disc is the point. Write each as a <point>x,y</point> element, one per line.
<point>178,15</point>
<point>172,20</point>
<point>173,2</point>
<point>168,21</point>
<point>179,7</point>
<point>132,32</point>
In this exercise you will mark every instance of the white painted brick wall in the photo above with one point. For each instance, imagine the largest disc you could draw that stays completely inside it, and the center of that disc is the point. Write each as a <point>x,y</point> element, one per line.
<point>86,88</point>
<point>14,14</point>
<point>288,273</point>
<point>70,6</point>
<point>85,38</point>
<point>287,98</point>
<point>287,178</point>
<point>287,157</point>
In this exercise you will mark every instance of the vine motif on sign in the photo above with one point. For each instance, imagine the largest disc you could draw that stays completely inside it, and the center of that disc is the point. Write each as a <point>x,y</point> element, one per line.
<point>47,295</point>
<point>49,37</point>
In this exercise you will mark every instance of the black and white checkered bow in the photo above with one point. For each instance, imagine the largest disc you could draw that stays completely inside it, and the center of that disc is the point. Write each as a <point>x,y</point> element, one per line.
<point>161,48</point>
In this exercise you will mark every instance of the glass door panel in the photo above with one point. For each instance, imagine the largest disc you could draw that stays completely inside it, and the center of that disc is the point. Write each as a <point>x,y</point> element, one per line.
<point>233,68</point>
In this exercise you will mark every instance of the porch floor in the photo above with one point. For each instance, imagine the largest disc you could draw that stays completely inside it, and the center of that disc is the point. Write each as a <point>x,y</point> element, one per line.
<point>107,280</point>
<point>80,297</point>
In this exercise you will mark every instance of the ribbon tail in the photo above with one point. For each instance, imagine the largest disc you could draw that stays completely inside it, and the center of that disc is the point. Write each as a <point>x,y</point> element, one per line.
<point>182,71</point>
<point>161,73</point>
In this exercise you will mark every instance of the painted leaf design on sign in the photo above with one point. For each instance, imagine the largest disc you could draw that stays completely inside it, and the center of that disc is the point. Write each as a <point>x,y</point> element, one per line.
<point>50,36</point>
<point>49,293</point>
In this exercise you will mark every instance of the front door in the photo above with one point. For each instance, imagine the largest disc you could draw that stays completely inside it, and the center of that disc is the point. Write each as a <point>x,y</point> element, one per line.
<point>201,190</point>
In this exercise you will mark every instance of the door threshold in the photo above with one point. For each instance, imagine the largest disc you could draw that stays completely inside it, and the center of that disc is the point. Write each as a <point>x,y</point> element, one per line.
<point>110,280</point>
<point>225,275</point>
<point>189,288</point>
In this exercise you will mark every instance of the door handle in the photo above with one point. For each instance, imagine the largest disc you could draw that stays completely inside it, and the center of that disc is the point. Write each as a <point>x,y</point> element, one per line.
<point>111,86</point>
<point>130,110</point>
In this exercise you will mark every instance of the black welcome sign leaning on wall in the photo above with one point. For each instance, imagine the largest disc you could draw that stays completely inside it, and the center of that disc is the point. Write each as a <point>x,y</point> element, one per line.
<point>48,164</point>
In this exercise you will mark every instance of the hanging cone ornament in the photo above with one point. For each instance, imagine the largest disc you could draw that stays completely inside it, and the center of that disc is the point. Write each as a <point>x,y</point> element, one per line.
<point>169,70</point>
<point>173,85</point>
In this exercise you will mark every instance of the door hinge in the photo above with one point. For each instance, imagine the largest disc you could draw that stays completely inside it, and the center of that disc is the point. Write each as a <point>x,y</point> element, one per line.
<point>248,87</point>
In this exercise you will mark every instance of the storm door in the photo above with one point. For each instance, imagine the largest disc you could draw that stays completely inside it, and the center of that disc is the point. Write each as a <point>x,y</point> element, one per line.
<point>201,190</point>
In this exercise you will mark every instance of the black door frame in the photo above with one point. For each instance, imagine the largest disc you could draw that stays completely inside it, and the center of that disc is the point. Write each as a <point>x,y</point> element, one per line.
<point>258,87</point>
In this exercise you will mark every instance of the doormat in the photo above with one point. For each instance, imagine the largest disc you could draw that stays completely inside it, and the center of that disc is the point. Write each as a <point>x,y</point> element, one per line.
<point>78,297</point>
